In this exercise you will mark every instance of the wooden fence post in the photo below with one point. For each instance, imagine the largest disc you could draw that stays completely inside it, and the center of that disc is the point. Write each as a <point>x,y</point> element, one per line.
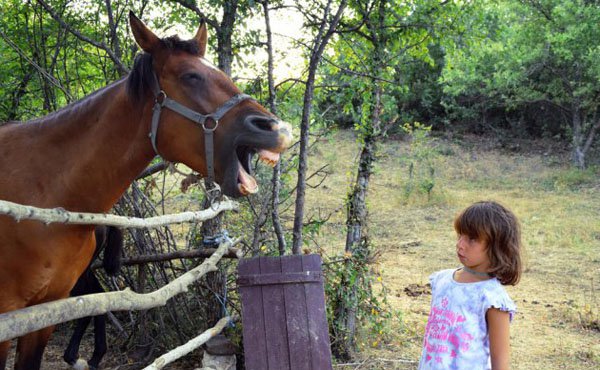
<point>283,313</point>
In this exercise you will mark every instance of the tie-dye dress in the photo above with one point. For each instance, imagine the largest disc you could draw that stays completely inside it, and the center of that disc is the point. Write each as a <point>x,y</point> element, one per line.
<point>456,335</point>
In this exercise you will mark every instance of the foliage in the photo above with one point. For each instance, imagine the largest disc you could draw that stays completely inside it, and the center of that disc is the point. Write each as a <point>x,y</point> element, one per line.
<point>48,66</point>
<point>404,53</point>
<point>572,178</point>
<point>421,161</point>
<point>530,53</point>
<point>351,282</point>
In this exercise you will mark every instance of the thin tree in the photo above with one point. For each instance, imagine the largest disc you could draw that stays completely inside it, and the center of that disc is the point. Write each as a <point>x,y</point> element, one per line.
<point>326,26</point>
<point>376,43</point>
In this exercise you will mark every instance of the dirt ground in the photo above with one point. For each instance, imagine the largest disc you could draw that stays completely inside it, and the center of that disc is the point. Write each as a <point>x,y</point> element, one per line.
<point>558,298</point>
<point>114,360</point>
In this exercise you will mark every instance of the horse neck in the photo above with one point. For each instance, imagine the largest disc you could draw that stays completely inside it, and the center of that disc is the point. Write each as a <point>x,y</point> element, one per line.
<point>104,145</point>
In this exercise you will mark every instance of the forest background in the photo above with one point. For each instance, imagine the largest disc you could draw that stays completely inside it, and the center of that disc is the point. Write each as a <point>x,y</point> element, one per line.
<point>436,103</point>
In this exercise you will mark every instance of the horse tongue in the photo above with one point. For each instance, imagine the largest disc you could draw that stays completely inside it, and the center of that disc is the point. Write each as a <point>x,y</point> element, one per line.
<point>247,184</point>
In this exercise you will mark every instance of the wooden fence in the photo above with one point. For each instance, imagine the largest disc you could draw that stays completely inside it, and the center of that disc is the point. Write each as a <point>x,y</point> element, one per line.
<point>17,323</point>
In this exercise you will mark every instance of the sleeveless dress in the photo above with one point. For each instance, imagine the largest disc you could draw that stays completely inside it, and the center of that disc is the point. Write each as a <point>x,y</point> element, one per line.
<point>456,335</point>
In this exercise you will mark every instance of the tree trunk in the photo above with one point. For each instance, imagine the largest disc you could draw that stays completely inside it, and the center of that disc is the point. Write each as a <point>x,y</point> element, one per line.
<point>356,236</point>
<point>18,94</point>
<point>303,159</point>
<point>578,155</point>
<point>114,39</point>
<point>276,178</point>
<point>217,281</point>
<point>224,36</point>
<point>326,30</point>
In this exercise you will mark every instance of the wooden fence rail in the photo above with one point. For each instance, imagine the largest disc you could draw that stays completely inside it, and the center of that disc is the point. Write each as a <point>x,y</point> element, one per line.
<point>191,345</point>
<point>17,323</point>
<point>14,324</point>
<point>58,215</point>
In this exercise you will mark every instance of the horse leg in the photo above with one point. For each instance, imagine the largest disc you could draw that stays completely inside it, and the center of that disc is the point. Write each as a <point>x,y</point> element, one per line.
<point>99,326</point>
<point>99,341</point>
<point>71,355</point>
<point>4,347</point>
<point>30,349</point>
<point>72,352</point>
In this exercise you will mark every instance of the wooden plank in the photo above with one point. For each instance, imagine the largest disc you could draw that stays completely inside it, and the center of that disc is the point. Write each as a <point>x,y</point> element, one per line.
<point>317,318</point>
<point>300,277</point>
<point>255,345</point>
<point>284,318</point>
<point>296,316</point>
<point>275,318</point>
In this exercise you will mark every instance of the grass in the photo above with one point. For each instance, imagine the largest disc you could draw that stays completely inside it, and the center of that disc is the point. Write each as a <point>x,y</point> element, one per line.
<point>558,298</point>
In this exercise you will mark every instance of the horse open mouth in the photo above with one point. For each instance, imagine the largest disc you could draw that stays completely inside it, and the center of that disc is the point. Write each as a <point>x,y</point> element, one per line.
<point>246,182</point>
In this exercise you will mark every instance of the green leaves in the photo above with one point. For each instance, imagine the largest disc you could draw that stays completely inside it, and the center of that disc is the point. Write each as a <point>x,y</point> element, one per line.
<point>397,48</point>
<point>533,51</point>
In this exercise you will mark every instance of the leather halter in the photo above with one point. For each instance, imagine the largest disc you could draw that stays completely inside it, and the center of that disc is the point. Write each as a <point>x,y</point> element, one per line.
<point>162,100</point>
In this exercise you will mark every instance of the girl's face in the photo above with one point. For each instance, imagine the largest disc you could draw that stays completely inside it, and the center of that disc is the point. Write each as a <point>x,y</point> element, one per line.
<point>472,253</point>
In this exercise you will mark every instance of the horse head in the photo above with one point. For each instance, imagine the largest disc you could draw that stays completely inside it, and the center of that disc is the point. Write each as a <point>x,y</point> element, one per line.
<point>209,125</point>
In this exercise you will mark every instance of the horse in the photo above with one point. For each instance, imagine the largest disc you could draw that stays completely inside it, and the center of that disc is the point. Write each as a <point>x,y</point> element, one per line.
<point>173,103</point>
<point>110,240</point>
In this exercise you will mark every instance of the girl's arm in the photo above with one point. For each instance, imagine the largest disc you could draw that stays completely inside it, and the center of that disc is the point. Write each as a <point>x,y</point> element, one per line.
<point>498,323</point>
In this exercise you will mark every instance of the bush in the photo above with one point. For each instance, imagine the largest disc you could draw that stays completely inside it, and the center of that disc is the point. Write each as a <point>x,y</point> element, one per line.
<point>572,178</point>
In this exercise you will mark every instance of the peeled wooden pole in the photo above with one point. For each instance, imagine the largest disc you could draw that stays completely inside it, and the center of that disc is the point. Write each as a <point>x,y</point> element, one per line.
<point>191,345</point>
<point>58,215</point>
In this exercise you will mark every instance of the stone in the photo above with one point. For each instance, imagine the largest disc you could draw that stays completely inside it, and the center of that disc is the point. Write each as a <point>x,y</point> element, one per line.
<point>212,362</point>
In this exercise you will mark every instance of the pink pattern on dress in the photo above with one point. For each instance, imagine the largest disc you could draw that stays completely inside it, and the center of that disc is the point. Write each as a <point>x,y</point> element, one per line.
<point>446,328</point>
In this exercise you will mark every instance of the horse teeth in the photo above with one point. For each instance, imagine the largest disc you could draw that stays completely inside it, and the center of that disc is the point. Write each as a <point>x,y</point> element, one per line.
<point>268,161</point>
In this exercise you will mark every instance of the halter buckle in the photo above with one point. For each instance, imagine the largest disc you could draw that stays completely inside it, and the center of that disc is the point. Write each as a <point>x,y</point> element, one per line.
<point>161,97</point>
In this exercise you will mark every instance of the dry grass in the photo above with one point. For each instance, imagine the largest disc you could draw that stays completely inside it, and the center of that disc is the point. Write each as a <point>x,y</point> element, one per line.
<point>558,298</point>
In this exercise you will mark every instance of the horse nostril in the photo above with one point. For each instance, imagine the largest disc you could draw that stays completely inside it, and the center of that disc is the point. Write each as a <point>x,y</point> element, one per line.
<point>263,123</point>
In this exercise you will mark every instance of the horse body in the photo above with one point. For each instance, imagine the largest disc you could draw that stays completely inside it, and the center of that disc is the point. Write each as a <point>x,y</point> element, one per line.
<point>83,158</point>
<point>86,165</point>
<point>93,144</point>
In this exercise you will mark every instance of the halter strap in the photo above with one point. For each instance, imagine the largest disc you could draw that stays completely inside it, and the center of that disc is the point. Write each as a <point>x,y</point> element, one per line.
<point>162,100</point>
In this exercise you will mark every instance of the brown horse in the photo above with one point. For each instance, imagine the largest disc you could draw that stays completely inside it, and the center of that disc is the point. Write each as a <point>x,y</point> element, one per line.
<point>83,157</point>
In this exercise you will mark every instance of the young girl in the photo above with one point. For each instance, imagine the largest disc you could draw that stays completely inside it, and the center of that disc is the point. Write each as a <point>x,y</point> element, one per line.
<point>468,326</point>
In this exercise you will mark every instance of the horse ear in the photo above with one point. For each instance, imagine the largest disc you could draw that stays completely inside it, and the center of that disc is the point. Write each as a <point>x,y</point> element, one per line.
<point>147,40</point>
<point>202,38</point>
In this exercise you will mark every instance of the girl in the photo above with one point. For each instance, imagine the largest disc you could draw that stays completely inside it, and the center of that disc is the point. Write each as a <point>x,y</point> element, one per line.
<point>468,326</point>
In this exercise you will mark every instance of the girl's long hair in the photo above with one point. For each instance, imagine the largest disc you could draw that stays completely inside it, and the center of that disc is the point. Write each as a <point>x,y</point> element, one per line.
<point>499,228</point>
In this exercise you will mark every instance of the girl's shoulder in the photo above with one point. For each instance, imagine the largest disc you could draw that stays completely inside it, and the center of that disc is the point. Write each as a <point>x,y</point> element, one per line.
<point>495,296</point>
<point>441,275</point>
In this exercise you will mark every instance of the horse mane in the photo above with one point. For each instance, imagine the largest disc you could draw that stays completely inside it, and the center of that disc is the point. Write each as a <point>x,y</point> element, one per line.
<point>141,78</point>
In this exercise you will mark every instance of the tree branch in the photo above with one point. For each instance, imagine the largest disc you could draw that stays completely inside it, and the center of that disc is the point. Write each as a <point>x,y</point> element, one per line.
<point>41,70</point>
<point>123,70</point>
<point>151,170</point>
<point>197,253</point>
<point>191,5</point>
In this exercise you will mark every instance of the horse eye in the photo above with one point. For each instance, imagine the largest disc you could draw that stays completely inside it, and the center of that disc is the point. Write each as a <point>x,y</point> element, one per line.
<point>192,78</point>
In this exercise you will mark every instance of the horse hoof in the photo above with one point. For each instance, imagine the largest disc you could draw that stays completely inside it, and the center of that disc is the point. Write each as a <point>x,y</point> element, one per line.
<point>81,364</point>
